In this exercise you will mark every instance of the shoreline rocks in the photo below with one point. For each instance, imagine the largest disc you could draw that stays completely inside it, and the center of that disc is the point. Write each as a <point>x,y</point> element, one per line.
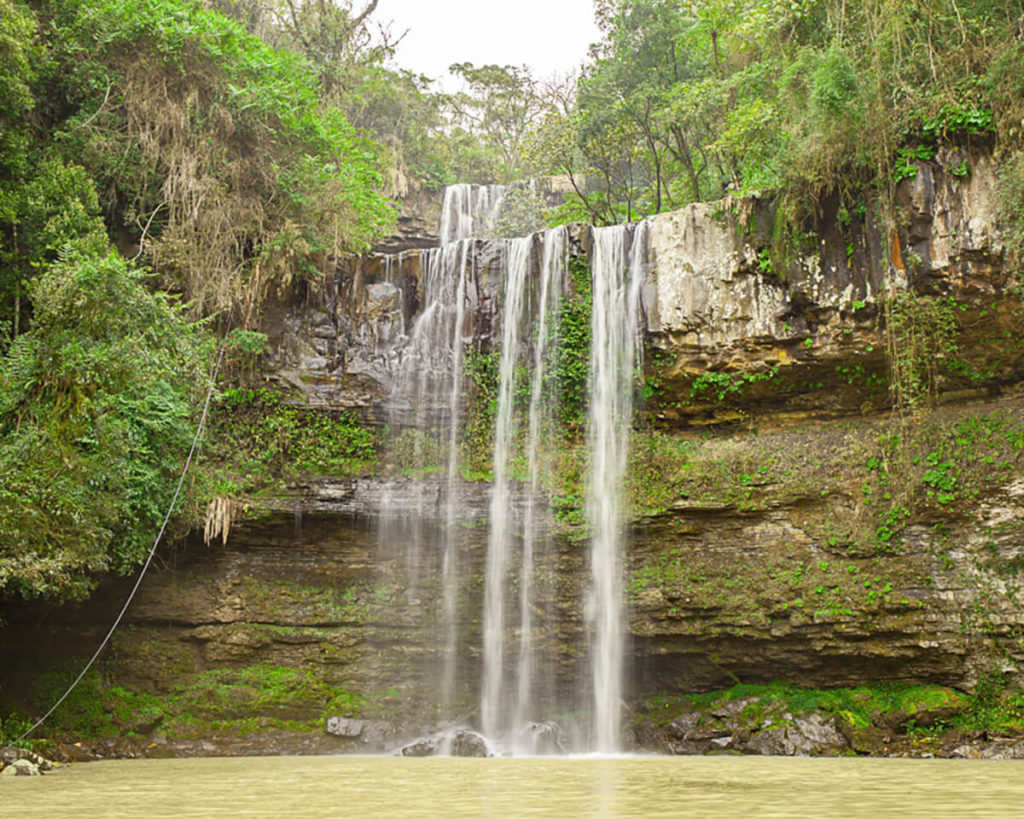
<point>22,762</point>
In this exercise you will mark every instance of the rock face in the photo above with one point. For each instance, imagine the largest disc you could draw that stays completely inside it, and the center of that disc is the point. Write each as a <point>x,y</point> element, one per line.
<point>419,214</point>
<point>752,560</point>
<point>803,329</point>
<point>340,343</point>
<point>719,301</point>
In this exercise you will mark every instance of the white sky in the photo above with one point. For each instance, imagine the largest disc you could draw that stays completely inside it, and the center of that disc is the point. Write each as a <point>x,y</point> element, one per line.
<point>549,36</point>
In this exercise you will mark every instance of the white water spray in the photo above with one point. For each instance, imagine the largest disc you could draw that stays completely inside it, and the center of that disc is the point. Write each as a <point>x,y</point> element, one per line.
<point>613,357</point>
<point>499,549</point>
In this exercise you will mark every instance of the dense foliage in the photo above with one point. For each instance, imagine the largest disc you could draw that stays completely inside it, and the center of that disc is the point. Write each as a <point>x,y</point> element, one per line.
<point>222,161</point>
<point>233,145</point>
<point>96,414</point>
<point>211,155</point>
<point>686,101</point>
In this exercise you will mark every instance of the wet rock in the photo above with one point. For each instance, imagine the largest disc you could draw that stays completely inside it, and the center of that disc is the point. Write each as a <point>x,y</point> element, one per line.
<point>816,735</point>
<point>345,727</point>
<point>461,742</point>
<point>544,738</point>
<point>688,747</point>
<point>469,744</point>
<point>427,746</point>
<point>683,726</point>
<point>712,730</point>
<point>21,767</point>
<point>965,751</point>
<point>998,749</point>
<point>10,756</point>
<point>862,739</point>
<point>768,743</point>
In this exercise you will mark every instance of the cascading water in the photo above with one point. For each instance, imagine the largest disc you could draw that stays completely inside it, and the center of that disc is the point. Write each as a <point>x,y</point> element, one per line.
<point>427,399</point>
<point>499,551</point>
<point>614,332</point>
<point>469,210</point>
<point>518,691</point>
<point>553,264</point>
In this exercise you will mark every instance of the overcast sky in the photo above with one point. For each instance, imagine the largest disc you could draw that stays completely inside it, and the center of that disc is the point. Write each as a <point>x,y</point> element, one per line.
<point>547,35</point>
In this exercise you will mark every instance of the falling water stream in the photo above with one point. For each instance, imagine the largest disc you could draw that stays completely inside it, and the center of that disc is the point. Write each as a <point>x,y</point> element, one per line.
<point>500,546</point>
<point>516,693</point>
<point>616,296</point>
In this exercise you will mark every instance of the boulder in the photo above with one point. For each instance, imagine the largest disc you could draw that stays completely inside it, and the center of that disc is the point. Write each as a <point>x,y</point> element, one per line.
<point>10,756</point>
<point>21,767</point>
<point>768,743</point>
<point>816,735</point>
<point>682,727</point>
<point>344,727</point>
<point>469,744</point>
<point>426,746</point>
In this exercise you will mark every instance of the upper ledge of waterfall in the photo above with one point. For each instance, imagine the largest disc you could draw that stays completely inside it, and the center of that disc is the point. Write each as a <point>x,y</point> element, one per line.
<point>714,299</point>
<point>417,226</point>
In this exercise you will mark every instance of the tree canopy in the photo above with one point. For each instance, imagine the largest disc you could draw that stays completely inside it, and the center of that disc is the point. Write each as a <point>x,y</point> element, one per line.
<point>158,165</point>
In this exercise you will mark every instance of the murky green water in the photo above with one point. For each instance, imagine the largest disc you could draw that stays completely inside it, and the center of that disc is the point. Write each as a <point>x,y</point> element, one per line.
<point>640,787</point>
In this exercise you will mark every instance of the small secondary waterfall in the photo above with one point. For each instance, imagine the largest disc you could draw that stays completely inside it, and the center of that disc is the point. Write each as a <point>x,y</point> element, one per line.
<point>469,210</point>
<point>520,690</point>
<point>499,550</point>
<point>613,358</point>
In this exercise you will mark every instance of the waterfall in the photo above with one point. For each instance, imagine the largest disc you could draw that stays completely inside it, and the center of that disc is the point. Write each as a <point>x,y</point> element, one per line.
<point>613,357</point>
<point>516,322</point>
<point>553,263</point>
<point>469,210</point>
<point>500,545</point>
<point>426,399</point>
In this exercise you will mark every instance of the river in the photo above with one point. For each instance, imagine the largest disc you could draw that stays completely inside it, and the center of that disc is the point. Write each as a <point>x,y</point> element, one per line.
<point>648,787</point>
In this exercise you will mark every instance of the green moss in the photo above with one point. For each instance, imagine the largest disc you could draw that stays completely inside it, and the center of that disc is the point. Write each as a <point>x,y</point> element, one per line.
<point>235,701</point>
<point>569,366</point>
<point>257,440</point>
<point>482,385</point>
<point>861,707</point>
<point>282,601</point>
<point>94,708</point>
<point>258,690</point>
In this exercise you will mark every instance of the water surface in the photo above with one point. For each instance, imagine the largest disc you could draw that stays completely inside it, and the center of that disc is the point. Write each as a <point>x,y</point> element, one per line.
<point>652,787</point>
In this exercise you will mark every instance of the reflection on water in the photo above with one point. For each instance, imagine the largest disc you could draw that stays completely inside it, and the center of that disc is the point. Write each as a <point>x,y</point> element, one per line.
<point>648,787</point>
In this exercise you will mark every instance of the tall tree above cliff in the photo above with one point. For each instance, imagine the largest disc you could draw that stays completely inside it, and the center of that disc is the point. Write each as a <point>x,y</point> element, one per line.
<point>500,104</point>
<point>798,97</point>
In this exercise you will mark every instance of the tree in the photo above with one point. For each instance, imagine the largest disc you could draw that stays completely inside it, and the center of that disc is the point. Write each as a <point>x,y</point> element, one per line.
<point>17,38</point>
<point>500,104</point>
<point>214,155</point>
<point>97,409</point>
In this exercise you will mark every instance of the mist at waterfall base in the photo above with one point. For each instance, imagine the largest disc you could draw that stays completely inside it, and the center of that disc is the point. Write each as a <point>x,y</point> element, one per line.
<point>502,677</point>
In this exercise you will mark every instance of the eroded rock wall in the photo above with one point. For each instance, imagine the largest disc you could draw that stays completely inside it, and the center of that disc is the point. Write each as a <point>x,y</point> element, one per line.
<point>759,572</point>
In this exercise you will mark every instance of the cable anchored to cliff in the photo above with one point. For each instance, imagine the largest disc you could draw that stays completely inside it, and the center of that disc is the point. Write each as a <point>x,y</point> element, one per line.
<point>149,558</point>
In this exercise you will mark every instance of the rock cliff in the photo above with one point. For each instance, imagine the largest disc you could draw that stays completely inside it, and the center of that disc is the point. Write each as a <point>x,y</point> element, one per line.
<point>785,527</point>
